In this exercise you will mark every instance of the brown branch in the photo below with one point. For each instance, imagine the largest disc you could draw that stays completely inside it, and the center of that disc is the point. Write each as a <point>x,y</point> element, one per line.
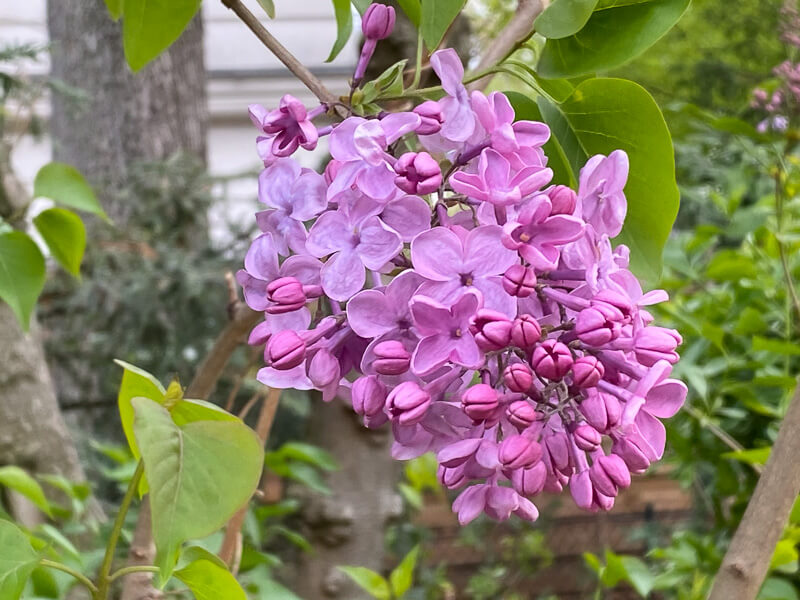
<point>299,70</point>
<point>747,560</point>
<point>518,29</point>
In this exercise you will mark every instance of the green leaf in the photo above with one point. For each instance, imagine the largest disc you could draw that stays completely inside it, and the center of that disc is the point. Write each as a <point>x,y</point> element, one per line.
<point>762,344</point>
<point>309,453</point>
<point>612,36</point>
<point>437,16</point>
<point>199,475</point>
<point>65,185</point>
<point>150,26</point>
<point>60,540</point>
<point>785,556</point>
<point>188,411</point>
<point>638,575</point>
<point>136,383</point>
<point>344,27</point>
<point>776,588</point>
<point>22,274</point>
<point>64,233</point>
<point>269,7</point>
<point>754,456</point>
<point>564,18</point>
<point>413,10</point>
<point>17,561</point>
<point>603,115</point>
<point>208,578</point>
<point>370,581</point>
<point>18,480</point>
<point>114,8</point>
<point>362,5</point>
<point>403,576</point>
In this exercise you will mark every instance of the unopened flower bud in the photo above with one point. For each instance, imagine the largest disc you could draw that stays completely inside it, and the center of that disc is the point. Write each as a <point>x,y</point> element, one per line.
<point>634,457</point>
<point>480,402</point>
<point>598,325</point>
<point>617,300</point>
<point>608,474</point>
<point>323,368</point>
<point>521,414</point>
<point>530,481</point>
<point>430,114</point>
<point>518,452</point>
<point>587,371</point>
<point>417,173</point>
<point>525,332</point>
<point>551,359</point>
<point>452,478</point>
<point>368,395</point>
<point>519,281</point>
<point>587,438</point>
<point>408,403</point>
<point>378,21</point>
<point>286,294</point>
<point>391,358</point>
<point>656,343</point>
<point>518,378</point>
<point>285,350</point>
<point>601,411</point>
<point>563,200</point>
<point>492,330</point>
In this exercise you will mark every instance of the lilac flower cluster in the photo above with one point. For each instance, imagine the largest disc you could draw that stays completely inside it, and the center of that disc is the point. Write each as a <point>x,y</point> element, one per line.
<point>432,277</point>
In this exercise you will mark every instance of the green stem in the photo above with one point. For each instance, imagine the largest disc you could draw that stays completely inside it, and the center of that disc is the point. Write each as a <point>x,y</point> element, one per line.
<point>134,569</point>
<point>57,566</point>
<point>104,579</point>
<point>418,69</point>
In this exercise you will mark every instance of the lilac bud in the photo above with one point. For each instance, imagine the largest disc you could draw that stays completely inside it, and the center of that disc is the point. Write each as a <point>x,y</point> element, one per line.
<point>452,478</point>
<point>530,481</point>
<point>598,325</point>
<point>521,414</point>
<point>492,330</point>
<point>417,173</point>
<point>551,359</point>
<point>601,411</point>
<point>285,350</point>
<point>458,453</point>
<point>408,403</point>
<point>580,486</point>
<point>518,451</point>
<point>587,438</point>
<point>518,378</point>
<point>519,281</point>
<point>391,358</point>
<point>634,457</point>
<point>608,474</point>
<point>323,368</point>
<point>480,402</point>
<point>378,21</point>
<point>557,445</point>
<point>368,395</point>
<point>260,334</point>
<point>287,295</point>
<point>563,199</point>
<point>587,371</point>
<point>430,114</point>
<point>657,343</point>
<point>525,332</point>
<point>616,300</point>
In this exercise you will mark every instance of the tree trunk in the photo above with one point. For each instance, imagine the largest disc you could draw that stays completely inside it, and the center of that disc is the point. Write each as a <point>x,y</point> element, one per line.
<point>347,527</point>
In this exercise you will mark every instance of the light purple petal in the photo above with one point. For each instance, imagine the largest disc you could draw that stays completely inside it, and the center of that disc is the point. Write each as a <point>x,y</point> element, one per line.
<point>261,260</point>
<point>275,183</point>
<point>370,314</point>
<point>653,432</point>
<point>343,275</point>
<point>308,196</point>
<point>447,65</point>
<point>295,378</point>
<point>330,233</point>
<point>437,254</point>
<point>431,353</point>
<point>379,243</point>
<point>666,398</point>
<point>430,317</point>
<point>408,216</point>
<point>396,125</point>
<point>342,139</point>
<point>302,267</point>
<point>484,254</point>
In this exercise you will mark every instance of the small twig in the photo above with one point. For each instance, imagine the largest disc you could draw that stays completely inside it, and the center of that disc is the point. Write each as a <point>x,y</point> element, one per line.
<point>517,30</point>
<point>747,560</point>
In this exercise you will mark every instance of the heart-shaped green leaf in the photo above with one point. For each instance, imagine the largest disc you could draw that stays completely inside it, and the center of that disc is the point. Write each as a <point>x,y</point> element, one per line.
<point>65,185</point>
<point>207,576</point>
<point>150,26</point>
<point>18,559</point>
<point>64,233</point>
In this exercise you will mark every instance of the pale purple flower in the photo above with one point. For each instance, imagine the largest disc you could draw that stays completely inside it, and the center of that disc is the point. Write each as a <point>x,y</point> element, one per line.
<point>288,127</point>
<point>600,195</point>
<point>373,313</point>
<point>458,120</point>
<point>496,115</point>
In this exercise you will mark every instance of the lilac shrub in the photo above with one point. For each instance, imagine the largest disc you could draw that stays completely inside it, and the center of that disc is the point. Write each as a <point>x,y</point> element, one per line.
<point>433,277</point>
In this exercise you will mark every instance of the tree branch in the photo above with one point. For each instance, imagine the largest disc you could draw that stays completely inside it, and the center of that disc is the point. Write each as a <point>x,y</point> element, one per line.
<point>518,29</point>
<point>746,562</point>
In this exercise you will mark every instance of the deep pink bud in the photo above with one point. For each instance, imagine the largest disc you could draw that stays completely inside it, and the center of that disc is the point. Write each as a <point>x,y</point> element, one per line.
<point>616,300</point>
<point>408,403</point>
<point>391,358</point>
<point>598,325</point>
<point>480,402</point>
<point>492,330</point>
<point>286,293</point>
<point>323,368</point>
<point>608,474</point>
<point>368,395</point>
<point>525,332</point>
<point>378,21</point>
<point>551,359</point>
<point>519,280</point>
<point>285,350</point>
<point>521,414</point>
<point>430,114</point>
<point>587,371</point>
<point>634,457</point>
<point>563,199</point>
<point>587,438</point>
<point>417,173</point>
<point>656,343</point>
<point>518,378</point>
<point>530,481</point>
<point>602,411</point>
<point>260,334</point>
<point>518,451</point>
<point>452,478</point>
<point>557,445</point>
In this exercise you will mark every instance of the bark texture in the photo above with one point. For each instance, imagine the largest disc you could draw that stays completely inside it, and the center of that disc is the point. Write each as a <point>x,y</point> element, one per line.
<point>347,527</point>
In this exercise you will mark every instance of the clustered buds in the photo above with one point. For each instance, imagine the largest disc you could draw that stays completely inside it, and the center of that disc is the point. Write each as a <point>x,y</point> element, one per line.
<point>450,290</point>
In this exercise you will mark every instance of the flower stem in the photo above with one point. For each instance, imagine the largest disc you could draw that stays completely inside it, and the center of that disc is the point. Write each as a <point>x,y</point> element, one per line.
<point>134,569</point>
<point>104,578</point>
<point>57,566</point>
<point>418,69</point>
